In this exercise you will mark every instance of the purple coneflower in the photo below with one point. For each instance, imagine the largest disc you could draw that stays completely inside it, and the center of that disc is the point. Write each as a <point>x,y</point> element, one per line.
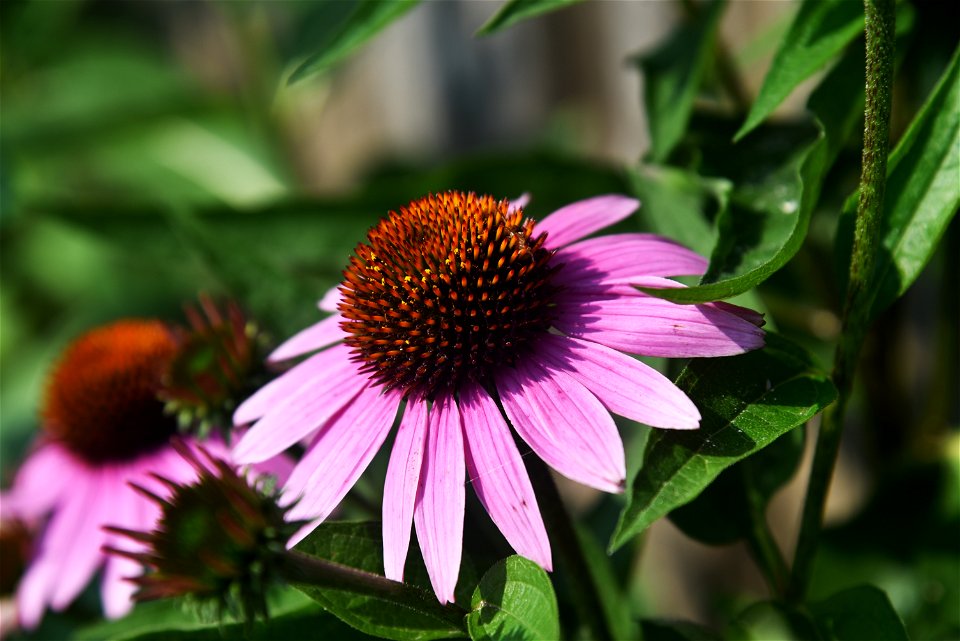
<point>104,428</point>
<point>459,306</point>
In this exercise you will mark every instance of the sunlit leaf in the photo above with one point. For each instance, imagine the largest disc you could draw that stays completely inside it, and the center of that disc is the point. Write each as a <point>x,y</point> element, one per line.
<point>672,74</point>
<point>774,196</point>
<point>513,11</point>
<point>820,31</point>
<point>922,193</point>
<point>368,19</point>
<point>746,403</point>
<point>514,600</point>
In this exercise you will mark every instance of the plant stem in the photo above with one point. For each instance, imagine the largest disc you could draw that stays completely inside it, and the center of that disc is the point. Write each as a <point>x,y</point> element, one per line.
<point>566,544</point>
<point>309,570</point>
<point>763,547</point>
<point>880,25</point>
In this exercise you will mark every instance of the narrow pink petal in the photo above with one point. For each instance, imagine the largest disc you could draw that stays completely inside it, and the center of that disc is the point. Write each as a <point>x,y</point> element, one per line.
<point>330,300</point>
<point>519,203</point>
<point>622,258</point>
<point>564,424</point>
<point>656,327</point>
<point>400,488</point>
<point>279,467</point>
<point>441,497</point>
<point>499,478</point>
<point>625,385</point>
<point>305,411</point>
<point>340,454</point>
<point>74,536</point>
<point>44,479</point>
<point>34,589</point>
<point>326,332</point>
<point>749,315</point>
<point>315,369</point>
<point>115,591</point>
<point>579,219</point>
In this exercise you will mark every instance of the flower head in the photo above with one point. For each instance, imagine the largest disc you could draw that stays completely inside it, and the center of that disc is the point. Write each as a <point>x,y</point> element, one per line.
<point>104,427</point>
<point>217,538</point>
<point>457,306</point>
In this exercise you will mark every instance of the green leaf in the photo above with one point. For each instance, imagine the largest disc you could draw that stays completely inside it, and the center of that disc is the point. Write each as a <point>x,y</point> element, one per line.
<point>292,615</point>
<point>863,612</point>
<point>679,204</point>
<point>922,193</point>
<point>746,403</point>
<point>672,74</point>
<point>369,18</point>
<point>514,600</point>
<point>775,193</point>
<point>513,11</point>
<point>724,512</point>
<point>617,606</point>
<point>411,616</point>
<point>820,31</point>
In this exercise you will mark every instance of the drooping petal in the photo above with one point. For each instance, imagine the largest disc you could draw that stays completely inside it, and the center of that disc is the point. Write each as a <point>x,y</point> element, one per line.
<point>340,453</point>
<point>400,488</point>
<point>115,591</point>
<point>579,219</point>
<point>499,478</point>
<point>438,513</point>
<point>46,477</point>
<point>656,327</point>
<point>623,258</point>
<point>330,300</point>
<point>326,332</point>
<point>34,589</point>
<point>564,424</point>
<point>625,385</point>
<point>306,410</point>
<point>314,370</point>
<point>74,536</point>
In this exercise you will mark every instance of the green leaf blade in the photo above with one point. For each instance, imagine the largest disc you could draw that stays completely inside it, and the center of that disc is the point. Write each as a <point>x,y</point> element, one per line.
<point>747,402</point>
<point>369,18</point>
<point>862,612</point>
<point>820,30</point>
<point>407,617</point>
<point>516,10</point>
<point>923,192</point>
<point>672,74</point>
<point>515,600</point>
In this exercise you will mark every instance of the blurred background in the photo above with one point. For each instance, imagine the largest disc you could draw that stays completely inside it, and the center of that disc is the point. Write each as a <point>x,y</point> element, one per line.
<point>153,150</point>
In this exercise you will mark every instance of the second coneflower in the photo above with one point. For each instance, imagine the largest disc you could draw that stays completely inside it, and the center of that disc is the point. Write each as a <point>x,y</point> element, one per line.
<point>458,305</point>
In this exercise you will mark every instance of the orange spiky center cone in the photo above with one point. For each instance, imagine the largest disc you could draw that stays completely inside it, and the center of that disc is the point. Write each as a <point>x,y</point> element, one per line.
<point>448,289</point>
<point>102,397</point>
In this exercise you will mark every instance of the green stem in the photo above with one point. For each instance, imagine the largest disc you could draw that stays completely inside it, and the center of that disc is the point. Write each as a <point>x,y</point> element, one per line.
<point>303,569</point>
<point>566,546</point>
<point>880,25</point>
<point>763,547</point>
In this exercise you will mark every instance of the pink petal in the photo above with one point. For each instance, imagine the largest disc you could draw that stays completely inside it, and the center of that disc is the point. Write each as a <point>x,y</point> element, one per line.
<point>33,592</point>
<point>400,488</point>
<point>625,385</point>
<point>564,424</point>
<point>438,513</point>
<point>74,536</point>
<point>622,258</point>
<point>317,368</point>
<point>279,467</point>
<point>499,478</point>
<point>115,591</point>
<point>303,412</point>
<point>330,300</point>
<point>45,478</point>
<point>519,203</point>
<point>656,327</point>
<point>340,454</point>
<point>579,219</point>
<point>322,334</point>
